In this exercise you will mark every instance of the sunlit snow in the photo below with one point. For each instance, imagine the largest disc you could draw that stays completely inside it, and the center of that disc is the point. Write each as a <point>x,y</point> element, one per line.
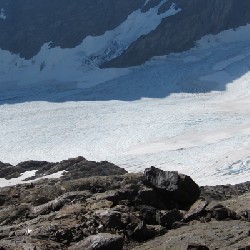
<point>188,112</point>
<point>25,175</point>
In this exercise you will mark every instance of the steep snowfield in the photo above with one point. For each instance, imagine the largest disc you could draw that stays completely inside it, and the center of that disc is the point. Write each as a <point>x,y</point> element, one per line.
<point>68,64</point>
<point>188,112</point>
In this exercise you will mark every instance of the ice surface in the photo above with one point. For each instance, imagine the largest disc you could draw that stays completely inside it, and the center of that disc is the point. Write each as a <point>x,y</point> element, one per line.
<point>188,112</point>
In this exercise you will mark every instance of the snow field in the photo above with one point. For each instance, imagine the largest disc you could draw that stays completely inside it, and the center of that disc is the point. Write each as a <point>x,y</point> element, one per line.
<point>188,112</point>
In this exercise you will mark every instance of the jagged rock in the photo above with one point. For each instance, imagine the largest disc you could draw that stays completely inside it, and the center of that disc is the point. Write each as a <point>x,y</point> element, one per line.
<point>162,180</point>
<point>11,214</point>
<point>74,168</point>
<point>6,169</point>
<point>62,212</point>
<point>99,204</point>
<point>80,167</point>
<point>164,39</point>
<point>12,233</point>
<point>64,235</point>
<point>245,214</point>
<point>167,218</point>
<point>196,209</point>
<point>224,192</point>
<point>179,190</point>
<point>42,232</point>
<point>147,214</point>
<point>149,196</point>
<point>54,205</point>
<point>102,241</point>
<point>120,195</point>
<point>58,203</point>
<point>33,165</point>
<point>3,199</point>
<point>142,232</point>
<point>219,212</point>
<point>109,218</point>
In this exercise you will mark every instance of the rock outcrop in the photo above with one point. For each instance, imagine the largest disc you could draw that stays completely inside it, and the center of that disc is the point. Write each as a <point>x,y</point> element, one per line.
<point>175,188</point>
<point>74,168</point>
<point>120,211</point>
<point>180,32</point>
<point>30,23</point>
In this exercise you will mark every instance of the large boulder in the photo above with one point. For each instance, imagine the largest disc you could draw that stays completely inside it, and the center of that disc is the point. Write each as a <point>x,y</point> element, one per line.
<point>143,232</point>
<point>219,212</point>
<point>102,241</point>
<point>197,209</point>
<point>147,214</point>
<point>178,190</point>
<point>168,218</point>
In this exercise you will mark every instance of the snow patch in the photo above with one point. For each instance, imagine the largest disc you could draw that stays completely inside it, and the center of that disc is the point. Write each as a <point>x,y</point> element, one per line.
<point>225,37</point>
<point>15,181</point>
<point>114,42</point>
<point>2,14</point>
<point>146,2</point>
<point>21,180</point>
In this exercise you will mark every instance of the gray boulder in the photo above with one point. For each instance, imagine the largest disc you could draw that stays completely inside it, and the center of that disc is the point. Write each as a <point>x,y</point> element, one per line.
<point>178,190</point>
<point>197,209</point>
<point>168,218</point>
<point>102,241</point>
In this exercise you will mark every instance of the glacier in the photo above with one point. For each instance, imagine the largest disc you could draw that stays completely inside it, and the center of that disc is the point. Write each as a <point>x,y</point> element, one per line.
<point>188,111</point>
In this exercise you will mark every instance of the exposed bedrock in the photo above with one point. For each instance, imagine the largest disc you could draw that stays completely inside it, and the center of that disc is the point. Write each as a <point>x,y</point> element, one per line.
<point>122,211</point>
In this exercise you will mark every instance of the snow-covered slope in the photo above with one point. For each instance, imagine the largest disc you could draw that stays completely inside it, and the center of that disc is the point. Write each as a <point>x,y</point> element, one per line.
<point>188,112</point>
<point>74,64</point>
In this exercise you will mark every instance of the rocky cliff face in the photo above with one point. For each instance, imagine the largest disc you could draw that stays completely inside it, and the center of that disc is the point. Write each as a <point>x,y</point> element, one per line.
<point>26,25</point>
<point>179,32</point>
<point>29,23</point>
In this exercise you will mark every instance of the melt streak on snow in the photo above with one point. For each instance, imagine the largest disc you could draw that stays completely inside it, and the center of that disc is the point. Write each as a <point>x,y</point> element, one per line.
<point>188,112</point>
<point>2,14</point>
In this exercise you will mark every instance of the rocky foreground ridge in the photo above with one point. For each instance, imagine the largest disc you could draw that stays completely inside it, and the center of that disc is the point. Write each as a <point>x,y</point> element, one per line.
<point>101,206</point>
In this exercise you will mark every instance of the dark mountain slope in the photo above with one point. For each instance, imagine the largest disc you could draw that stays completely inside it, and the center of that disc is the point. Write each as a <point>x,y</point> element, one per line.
<point>179,32</point>
<point>31,23</point>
